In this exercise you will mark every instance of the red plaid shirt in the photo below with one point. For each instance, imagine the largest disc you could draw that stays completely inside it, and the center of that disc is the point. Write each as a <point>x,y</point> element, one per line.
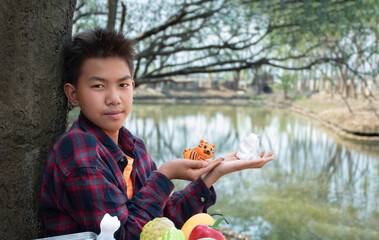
<point>83,180</point>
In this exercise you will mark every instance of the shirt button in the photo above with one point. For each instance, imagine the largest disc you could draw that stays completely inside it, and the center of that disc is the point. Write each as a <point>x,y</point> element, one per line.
<point>202,199</point>
<point>122,160</point>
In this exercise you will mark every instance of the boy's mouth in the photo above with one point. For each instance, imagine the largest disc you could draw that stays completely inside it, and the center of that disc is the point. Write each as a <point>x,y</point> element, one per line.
<point>114,115</point>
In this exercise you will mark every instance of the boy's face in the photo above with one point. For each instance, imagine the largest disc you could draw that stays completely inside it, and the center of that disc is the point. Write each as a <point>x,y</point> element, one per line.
<point>104,92</point>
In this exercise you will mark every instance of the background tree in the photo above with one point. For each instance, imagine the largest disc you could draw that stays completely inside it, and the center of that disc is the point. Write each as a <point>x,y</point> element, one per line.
<point>172,38</point>
<point>33,106</point>
<point>285,83</point>
<point>112,14</point>
<point>209,36</point>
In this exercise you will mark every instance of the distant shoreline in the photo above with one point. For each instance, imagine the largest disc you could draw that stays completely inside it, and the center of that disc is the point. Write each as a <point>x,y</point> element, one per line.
<point>363,130</point>
<point>214,100</point>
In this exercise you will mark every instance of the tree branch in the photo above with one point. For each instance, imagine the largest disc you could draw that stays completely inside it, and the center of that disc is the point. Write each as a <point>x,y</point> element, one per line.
<point>123,15</point>
<point>177,19</point>
<point>82,15</point>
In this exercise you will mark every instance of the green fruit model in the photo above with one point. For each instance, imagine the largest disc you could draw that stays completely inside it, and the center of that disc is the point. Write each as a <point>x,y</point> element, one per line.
<point>155,229</point>
<point>173,234</point>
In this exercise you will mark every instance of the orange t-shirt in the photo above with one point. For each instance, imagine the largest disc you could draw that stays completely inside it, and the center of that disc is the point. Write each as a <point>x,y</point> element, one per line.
<point>128,180</point>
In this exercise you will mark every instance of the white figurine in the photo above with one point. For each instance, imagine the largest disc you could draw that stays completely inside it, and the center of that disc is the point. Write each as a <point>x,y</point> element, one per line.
<point>248,148</point>
<point>108,226</point>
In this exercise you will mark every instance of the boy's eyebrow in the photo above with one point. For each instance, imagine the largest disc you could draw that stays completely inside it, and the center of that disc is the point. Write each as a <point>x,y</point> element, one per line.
<point>96,78</point>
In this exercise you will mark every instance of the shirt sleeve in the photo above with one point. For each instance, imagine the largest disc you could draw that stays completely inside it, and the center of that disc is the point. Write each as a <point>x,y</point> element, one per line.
<point>90,195</point>
<point>195,198</point>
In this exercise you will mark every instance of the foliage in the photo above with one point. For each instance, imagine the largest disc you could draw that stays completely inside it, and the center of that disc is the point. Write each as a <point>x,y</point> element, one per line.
<point>299,97</point>
<point>285,82</point>
<point>186,37</point>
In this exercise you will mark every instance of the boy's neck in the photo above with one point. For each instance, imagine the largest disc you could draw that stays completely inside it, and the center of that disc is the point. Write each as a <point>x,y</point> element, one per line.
<point>113,136</point>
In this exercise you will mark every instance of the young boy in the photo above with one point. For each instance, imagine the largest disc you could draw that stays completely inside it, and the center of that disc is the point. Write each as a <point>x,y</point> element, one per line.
<point>100,167</point>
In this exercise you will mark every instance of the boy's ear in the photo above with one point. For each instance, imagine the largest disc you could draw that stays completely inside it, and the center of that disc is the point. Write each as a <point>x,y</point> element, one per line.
<point>70,91</point>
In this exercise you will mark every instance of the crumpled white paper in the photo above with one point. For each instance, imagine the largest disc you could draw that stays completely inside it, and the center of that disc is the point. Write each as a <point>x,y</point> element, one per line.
<point>248,148</point>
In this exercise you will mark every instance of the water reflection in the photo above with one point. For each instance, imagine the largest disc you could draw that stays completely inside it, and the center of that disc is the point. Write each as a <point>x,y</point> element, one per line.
<point>315,189</point>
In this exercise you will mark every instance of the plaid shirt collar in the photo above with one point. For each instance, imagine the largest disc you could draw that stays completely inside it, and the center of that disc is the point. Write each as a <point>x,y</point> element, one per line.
<point>126,138</point>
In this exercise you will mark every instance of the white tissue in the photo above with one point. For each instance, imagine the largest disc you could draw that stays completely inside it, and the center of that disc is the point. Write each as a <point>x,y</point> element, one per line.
<point>248,148</point>
<point>108,226</point>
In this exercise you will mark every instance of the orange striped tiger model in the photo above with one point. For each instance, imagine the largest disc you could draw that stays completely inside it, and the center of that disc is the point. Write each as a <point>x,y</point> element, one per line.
<point>202,152</point>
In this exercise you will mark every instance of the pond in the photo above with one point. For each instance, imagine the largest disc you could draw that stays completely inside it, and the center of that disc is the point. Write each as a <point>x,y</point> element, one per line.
<point>317,188</point>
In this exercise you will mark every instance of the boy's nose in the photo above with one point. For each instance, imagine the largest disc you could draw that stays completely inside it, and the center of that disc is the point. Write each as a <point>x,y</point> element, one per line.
<point>113,98</point>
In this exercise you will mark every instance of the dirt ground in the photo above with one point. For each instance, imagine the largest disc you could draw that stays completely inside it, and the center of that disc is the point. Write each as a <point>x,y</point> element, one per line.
<point>350,118</point>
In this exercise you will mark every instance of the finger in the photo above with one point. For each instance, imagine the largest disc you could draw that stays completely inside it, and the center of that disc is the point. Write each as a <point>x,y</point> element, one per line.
<point>231,154</point>
<point>216,161</point>
<point>211,165</point>
<point>262,154</point>
<point>268,159</point>
<point>270,154</point>
<point>196,164</point>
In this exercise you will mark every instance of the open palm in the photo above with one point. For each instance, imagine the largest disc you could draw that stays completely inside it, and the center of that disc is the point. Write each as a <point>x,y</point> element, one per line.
<point>232,163</point>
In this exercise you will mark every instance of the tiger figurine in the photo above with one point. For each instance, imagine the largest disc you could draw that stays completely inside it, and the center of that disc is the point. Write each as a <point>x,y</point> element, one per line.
<point>202,152</point>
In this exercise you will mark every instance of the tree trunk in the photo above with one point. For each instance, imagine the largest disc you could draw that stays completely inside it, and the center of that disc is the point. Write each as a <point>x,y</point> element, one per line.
<point>332,81</point>
<point>33,107</point>
<point>353,88</point>
<point>112,14</point>
<point>236,79</point>
<point>339,83</point>
<point>212,82</point>
<point>123,15</point>
<point>314,83</point>
<point>303,82</point>
<point>346,83</point>
<point>344,90</point>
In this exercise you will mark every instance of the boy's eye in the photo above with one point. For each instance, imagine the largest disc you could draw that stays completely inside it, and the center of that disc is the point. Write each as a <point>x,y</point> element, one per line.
<point>97,86</point>
<point>124,85</point>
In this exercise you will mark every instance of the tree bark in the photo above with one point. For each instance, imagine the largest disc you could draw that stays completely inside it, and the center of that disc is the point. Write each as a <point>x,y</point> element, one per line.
<point>112,14</point>
<point>343,90</point>
<point>332,81</point>
<point>123,15</point>
<point>33,106</point>
<point>236,79</point>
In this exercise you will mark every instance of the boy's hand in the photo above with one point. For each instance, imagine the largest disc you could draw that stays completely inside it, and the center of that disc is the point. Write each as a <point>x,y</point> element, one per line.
<point>187,169</point>
<point>234,164</point>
